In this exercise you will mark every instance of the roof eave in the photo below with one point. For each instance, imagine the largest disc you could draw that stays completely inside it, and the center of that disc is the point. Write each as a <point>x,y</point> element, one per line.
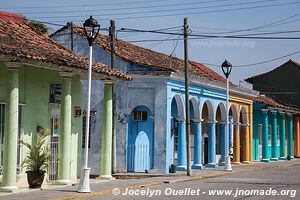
<point>81,72</point>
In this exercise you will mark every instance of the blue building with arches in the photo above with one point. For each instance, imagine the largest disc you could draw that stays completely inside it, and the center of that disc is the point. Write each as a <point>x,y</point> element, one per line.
<point>150,111</point>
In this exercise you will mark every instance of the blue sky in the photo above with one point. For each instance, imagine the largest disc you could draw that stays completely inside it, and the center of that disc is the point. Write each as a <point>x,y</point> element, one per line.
<point>204,20</point>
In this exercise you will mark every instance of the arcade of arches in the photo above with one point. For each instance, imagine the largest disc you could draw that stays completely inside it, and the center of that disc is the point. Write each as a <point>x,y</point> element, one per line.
<point>207,133</point>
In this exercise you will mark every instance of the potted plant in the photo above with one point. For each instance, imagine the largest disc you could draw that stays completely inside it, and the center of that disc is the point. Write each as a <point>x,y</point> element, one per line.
<point>37,159</point>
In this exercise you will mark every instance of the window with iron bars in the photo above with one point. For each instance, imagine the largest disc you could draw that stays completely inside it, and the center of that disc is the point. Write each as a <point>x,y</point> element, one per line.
<point>84,129</point>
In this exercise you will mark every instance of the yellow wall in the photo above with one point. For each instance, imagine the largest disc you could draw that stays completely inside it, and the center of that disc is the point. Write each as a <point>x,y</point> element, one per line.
<point>240,102</point>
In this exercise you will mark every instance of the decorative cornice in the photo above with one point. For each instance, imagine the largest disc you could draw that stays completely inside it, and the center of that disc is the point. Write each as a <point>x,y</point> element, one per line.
<point>13,65</point>
<point>66,74</point>
<point>264,110</point>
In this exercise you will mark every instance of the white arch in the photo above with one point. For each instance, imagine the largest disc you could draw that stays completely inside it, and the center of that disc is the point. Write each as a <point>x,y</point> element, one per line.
<point>234,114</point>
<point>243,116</point>
<point>195,107</point>
<point>137,103</point>
<point>223,111</point>
<point>179,104</point>
<point>209,108</point>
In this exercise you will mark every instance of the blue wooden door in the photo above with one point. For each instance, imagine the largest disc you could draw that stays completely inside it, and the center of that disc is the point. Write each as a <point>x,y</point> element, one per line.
<point>140,141</point>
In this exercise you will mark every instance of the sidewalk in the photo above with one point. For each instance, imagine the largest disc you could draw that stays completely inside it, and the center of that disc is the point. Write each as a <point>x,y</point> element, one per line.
<point>99,188</point>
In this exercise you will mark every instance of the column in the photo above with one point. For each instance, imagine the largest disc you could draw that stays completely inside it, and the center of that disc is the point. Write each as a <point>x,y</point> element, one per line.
<point>65,131</point>
<point>265,133</point>
<point>181,151</point>
<point>251,133</point>
<point>11,132</point>
<point>230,134</point>
<point>224,148</point>
<point>106,146</point>
<point>282,136</point>
<point>212,145</point>
<point>296,137</point>
<point>197,146</point>
<point>236,144</point>
<point>274,156</point>
<point>246,144</point>
<point>290,136</point>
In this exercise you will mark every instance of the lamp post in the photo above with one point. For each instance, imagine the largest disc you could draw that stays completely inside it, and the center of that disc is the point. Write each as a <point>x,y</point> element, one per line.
<point>226,68</point>
<point>91,30</point>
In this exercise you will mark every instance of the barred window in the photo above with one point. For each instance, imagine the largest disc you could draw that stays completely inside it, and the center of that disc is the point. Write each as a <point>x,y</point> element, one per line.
<point>139,115</point>
<point>84,131</point>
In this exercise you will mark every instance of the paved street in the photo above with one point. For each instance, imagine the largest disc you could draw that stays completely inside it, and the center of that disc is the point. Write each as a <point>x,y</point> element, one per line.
<point>265,180</point>
<point>266,177</point>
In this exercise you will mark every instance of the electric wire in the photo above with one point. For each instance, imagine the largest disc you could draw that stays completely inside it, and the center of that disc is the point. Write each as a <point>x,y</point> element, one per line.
<point>82,5</point>
<point>128,8</point>
<point>272,24</point>
<point>256,63</point>
<point>197,36</point>
<point>174,10</point>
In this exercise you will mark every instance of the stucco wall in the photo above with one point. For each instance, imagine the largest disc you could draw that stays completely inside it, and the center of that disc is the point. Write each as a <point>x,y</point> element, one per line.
<point>34,89</point>
<point>202,95</point>
<point>102,56</point>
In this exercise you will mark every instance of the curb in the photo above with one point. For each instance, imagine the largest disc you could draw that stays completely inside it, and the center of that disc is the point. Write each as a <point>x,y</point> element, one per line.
<point>158,183</point>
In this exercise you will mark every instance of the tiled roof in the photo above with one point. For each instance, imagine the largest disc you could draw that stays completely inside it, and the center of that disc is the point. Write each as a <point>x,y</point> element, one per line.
<point>20,43</point>
<point>148,58</point>
<point>268,101</point>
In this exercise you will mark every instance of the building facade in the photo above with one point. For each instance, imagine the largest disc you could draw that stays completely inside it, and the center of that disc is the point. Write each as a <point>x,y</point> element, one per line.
<point>280,84</point>
<point>40,88</point>
<point>150,111</point>
<point>275,131</point>
<point>240,112</point>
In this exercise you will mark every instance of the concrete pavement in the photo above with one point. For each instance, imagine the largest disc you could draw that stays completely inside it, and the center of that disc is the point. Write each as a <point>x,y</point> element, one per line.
<point>104,188</point>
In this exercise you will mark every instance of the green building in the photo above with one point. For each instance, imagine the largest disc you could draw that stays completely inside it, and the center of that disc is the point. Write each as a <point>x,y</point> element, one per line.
<point>40,87</point>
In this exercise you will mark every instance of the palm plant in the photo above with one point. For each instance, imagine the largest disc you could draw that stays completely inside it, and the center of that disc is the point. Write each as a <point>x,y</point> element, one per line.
<point>37,159</point>
<point>38,156</point>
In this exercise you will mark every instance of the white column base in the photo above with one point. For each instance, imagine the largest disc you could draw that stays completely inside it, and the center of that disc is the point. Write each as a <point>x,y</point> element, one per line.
<point>10,189</point>
<point>63,182</point>
<point>246,162</point>
<point>227,167</point>
<point>105,177</point>
<point>197,166</point>
<point>181,168</point>
<point>84,184</point>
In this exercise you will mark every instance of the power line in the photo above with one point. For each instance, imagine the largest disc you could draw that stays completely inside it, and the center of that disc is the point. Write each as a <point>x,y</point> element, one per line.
<point>257,63</point>
<point>37,21</point>
<point>195,36</point>
<point>82,5</point>
<point>49,23</point>
<point>283,23</point>
<point>151,46</point>
<point>272,24</point>
<point>271,33</point>
<point>128,8</point>
<point>200,12</point>
<point>168,10</point>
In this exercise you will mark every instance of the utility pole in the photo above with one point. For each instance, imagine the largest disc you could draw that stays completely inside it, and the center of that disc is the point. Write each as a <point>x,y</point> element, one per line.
<point>72,37</point>
<point>112,34</point>
<point>187,97</point>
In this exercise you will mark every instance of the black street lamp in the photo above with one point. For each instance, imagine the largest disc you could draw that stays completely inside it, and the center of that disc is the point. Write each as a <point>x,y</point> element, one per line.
<point>91,30</point>
<point>226,68</point>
